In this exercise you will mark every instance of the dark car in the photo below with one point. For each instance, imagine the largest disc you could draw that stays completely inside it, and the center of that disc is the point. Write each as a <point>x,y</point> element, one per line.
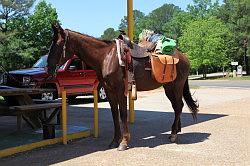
<point>75,76</point>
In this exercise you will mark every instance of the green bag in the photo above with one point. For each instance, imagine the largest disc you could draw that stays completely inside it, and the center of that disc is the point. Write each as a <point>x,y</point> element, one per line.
<point>168,45</point>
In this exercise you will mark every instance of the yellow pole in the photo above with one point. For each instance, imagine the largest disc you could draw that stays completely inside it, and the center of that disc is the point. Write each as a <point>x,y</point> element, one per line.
<point>130,19</point>
<point>96,128</point>
<point>130,35</point>
<point>131,108</point>
<point>64,117</point>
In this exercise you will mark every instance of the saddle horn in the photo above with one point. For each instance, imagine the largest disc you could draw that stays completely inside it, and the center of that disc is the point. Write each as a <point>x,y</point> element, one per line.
<point>126,39</point>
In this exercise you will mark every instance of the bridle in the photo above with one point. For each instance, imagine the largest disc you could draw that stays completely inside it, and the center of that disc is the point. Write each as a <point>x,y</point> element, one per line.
<point>63,55</point>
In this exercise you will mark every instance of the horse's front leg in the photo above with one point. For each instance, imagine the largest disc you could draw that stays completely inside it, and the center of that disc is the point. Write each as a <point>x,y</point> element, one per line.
<point>122,100</point>
<point>115,114</point>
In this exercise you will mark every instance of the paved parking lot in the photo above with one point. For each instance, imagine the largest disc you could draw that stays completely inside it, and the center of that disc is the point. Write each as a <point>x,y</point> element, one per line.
<point>220,137</point>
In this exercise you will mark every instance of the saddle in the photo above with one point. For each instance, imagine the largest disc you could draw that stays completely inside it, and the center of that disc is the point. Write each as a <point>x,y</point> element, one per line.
<point>139,52</point>
<point>163,67</point>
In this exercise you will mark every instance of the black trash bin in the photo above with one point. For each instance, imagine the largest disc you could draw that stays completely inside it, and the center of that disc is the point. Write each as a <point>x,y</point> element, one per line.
<point>48,131</point>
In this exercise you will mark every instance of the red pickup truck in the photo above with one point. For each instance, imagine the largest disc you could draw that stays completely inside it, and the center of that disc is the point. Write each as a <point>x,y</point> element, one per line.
<point>75,76</point>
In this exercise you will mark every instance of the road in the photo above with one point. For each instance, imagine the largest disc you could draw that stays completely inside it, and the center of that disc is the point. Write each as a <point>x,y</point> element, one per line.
<point>220,137</point>
<point>244,84</point>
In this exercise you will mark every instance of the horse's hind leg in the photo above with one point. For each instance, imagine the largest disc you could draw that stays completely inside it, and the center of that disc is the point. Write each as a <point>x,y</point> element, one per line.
<point>175,96</point>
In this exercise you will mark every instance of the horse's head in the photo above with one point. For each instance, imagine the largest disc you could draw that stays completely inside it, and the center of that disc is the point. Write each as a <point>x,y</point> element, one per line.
<point>59,51</point>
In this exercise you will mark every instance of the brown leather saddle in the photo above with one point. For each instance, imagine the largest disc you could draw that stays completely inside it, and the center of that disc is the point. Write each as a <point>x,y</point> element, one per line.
<point>163,67</point>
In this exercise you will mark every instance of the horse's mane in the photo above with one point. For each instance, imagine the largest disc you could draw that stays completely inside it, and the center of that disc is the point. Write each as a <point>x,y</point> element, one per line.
<point>109,42</point>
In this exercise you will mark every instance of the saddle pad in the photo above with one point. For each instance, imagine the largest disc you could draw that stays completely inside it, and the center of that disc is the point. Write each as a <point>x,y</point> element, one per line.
<point>164,68</point>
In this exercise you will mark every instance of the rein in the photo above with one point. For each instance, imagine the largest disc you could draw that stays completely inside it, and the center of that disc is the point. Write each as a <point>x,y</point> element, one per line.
<point>66,39</point>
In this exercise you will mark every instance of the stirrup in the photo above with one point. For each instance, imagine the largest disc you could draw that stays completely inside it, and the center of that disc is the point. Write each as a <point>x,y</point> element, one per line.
<point>133,92</point>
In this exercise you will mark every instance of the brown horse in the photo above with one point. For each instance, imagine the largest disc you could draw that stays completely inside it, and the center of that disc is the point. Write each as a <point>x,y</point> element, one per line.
<point>102,56</point>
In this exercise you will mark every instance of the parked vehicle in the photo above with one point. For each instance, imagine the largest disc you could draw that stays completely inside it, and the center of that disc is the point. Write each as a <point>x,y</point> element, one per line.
<point>75,76</point>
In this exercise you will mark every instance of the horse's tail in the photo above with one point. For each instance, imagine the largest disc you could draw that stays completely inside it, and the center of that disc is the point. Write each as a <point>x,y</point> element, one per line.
<point>191,103</point>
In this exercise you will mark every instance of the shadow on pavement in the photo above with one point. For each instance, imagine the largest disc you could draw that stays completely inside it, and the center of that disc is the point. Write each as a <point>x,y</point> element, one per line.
<point>151,129</point>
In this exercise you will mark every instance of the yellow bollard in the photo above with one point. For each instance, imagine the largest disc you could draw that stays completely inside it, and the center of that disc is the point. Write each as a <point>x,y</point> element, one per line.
<point>64,117</point>
<point>96,127</point>
<point>131,108</point>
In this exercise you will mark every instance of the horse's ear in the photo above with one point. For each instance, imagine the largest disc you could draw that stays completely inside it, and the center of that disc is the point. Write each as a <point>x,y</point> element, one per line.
<point>54,27</point>
<point>58,29</point>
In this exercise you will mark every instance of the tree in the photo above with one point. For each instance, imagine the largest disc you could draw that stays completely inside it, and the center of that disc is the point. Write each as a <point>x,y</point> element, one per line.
<point>14,52</point>
<point>138,16</point>
<point>206,43</point>
<point>110,34</point>
<point>28,36</point>
<point>175,27</point>
<point>11,9</point>
<point>157,18</point>
<point>236,14</point>
<point>39,30</point>
<point>203,8</point>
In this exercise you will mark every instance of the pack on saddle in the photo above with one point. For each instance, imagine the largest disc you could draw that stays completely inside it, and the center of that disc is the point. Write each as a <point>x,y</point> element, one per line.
<point>154,53</point>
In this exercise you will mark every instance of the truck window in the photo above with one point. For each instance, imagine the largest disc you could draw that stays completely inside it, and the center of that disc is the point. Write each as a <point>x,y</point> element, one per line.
<point>76,64</point>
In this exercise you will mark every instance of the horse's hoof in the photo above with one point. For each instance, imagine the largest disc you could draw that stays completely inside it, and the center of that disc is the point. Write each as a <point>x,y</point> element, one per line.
<point>113,145</point>
<point>173,138</point>
<point>122,147</point>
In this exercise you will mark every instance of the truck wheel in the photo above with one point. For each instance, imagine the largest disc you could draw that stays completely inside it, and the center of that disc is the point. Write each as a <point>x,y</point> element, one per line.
<point>101,94</point>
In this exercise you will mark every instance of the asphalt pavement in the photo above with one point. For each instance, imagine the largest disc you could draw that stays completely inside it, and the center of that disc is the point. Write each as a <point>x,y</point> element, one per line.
<point>238,84</point>
<point>220,137</point>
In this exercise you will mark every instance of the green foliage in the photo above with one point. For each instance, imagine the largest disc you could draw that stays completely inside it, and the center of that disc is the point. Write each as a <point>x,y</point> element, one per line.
<point>14,52</point>
<point>205,42</point>
<point>39,31</point>
<point>138,16</point>
<point>174,28</point>
<point>236,14</point>
<point>157,18</point>
<point>203,8</point>
<point>110,34</point>
<point>11,9</point>
<point>25,37</point>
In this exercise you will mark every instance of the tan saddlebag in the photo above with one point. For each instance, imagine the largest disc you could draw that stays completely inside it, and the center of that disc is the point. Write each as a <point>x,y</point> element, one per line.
<point>164,67</point>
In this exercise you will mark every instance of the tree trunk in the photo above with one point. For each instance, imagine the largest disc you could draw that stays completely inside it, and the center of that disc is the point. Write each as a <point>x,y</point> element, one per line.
<point>204,71</point>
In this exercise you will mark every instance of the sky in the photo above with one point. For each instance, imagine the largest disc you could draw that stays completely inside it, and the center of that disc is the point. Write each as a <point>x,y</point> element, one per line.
<point>92,17</point>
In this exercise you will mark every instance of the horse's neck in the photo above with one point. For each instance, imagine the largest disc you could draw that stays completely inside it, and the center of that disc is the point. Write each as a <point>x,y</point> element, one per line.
<point>89,48</point>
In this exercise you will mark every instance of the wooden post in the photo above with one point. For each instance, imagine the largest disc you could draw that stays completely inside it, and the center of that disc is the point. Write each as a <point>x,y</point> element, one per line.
<point>64,117</point>
<point>96,126</point>
<point>130,35</point>
<point>19,122</point>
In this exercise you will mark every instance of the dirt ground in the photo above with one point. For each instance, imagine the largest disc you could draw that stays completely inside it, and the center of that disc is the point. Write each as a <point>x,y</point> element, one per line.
<point>220,137</point>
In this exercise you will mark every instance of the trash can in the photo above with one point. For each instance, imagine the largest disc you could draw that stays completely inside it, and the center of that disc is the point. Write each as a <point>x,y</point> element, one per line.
<point>48,131</point>
<point>239,71</point>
